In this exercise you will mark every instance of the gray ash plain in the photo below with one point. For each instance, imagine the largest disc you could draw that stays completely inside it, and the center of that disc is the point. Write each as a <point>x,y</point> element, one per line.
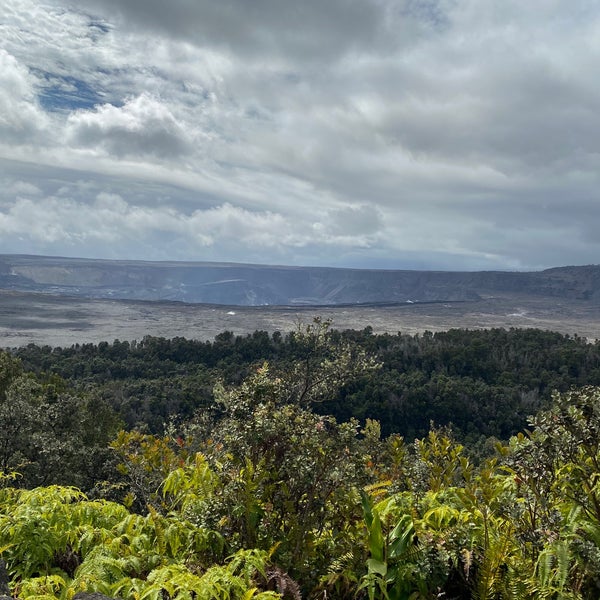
<point>45,319</point>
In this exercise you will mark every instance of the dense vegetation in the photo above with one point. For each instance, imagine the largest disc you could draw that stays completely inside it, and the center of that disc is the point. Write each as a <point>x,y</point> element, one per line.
<point>252,467</point>
<point>483,382</point>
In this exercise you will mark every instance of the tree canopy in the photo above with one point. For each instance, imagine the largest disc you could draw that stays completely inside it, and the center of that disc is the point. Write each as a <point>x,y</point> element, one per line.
<point>261,493</point>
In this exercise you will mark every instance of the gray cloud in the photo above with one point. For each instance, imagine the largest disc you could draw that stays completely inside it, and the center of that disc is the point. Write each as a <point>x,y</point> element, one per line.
<point>441,133</point>
<point>309,30</point>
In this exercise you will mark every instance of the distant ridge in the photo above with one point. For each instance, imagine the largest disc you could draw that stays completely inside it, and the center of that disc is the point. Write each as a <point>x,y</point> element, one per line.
<point>263,285</point>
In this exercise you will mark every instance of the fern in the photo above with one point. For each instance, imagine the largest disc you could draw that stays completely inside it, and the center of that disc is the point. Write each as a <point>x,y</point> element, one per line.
<point>249,563</point>
<point>101,563</point>
<point>280,582</point>
<point>48,586</point>
<point>341,563</point>
<point>493,566</point>
<point>159,530</point>
<point>553,567</point>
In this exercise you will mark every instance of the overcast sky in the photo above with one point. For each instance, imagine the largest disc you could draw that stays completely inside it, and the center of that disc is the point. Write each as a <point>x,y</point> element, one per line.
<point>439,134</point>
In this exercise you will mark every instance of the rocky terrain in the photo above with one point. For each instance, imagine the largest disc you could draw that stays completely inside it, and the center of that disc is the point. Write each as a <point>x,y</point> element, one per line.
<point>61,302</point>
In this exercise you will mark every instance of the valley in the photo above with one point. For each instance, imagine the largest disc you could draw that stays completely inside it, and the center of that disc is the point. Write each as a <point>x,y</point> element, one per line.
<point>46,319</point>
<point>63,301</point>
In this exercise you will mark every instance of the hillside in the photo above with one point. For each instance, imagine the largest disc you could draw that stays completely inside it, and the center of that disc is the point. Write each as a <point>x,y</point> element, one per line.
<point>258,285</point>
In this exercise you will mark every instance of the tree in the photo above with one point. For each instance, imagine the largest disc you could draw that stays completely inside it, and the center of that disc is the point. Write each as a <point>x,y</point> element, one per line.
<point>289,477</point>
<point>47,433</point>
<point>321,365</point>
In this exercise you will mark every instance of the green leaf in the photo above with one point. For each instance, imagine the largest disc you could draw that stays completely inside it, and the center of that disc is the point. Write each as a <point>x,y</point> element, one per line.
<point>367,507</point>
<point>377,566</point>
<point>402,537</point>
<point>376,540</point>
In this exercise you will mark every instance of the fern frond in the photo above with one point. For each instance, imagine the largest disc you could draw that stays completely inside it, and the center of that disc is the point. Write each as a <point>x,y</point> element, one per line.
<point>280,581</point>
<point>341,563</point>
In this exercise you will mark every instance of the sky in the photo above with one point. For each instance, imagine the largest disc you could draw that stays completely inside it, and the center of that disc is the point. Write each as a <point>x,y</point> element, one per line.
<point>394,134</point>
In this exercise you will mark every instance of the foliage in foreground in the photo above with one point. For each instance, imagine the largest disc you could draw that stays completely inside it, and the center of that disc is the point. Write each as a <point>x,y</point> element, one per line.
<point>57,542</point>
<point>264,498</point>
<point>417,522</point>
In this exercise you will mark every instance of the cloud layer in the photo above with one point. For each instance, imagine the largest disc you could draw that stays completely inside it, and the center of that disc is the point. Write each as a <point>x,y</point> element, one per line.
<point>455,134</point>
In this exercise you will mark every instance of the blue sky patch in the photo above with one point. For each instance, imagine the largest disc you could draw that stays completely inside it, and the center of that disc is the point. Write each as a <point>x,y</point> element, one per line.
<point>66,93</point>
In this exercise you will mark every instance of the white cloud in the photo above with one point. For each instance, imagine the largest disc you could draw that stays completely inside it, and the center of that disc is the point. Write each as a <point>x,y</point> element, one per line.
<point>142,126</point>
<point>109,219</point>
<point>275,131</point>
<point>21,119</point>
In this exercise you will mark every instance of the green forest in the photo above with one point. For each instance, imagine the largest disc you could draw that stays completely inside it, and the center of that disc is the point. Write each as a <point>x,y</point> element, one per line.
<point>316,464</point>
